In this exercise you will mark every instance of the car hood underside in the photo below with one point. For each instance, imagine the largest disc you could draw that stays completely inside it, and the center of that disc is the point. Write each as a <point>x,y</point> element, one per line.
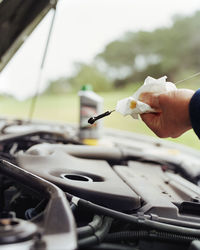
<point>18,18</point>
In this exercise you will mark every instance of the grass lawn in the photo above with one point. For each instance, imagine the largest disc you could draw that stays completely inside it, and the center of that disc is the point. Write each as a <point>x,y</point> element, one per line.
<point>65,108</point>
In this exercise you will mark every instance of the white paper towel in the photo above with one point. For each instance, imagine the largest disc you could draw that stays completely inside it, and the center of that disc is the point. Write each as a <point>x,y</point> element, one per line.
<point>132,106</point>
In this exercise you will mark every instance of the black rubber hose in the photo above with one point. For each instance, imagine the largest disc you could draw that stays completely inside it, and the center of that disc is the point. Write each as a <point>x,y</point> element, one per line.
<point>141,221</point>
<point>86,242</point>
<point>73,207</point>
<point>109,246</point>
<point>91,228</point>
<point>32,212</point>
<point>98,236</point>
<point>173,221</point>
<point>135,235</point>
<point>178,222</point>
<point>195,245</point>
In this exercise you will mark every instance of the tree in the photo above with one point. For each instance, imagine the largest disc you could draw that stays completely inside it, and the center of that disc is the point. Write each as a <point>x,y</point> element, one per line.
<point>164,51</point>
<point>58,86</point>
<point>89,74</point>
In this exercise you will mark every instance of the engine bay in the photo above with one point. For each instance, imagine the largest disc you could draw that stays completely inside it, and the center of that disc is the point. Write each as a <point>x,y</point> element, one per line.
<point>130,192</point>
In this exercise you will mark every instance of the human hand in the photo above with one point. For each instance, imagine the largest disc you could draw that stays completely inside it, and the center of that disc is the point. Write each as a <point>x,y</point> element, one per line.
<point>172,118</point>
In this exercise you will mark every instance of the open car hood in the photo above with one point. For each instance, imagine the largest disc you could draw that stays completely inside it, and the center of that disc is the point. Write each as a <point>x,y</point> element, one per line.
<point>18,18</point>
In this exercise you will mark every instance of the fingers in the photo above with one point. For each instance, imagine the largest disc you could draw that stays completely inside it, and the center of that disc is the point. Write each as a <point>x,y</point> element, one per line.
<point>151,99</point>
<point>147,118</point>
<point>151,120</point>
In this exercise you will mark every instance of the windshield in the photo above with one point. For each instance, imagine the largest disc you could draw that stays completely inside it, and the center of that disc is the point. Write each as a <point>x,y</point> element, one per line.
<point>111,45</point>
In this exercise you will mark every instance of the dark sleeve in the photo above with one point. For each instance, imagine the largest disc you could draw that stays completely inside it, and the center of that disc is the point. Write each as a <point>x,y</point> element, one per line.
<point>194,110</point>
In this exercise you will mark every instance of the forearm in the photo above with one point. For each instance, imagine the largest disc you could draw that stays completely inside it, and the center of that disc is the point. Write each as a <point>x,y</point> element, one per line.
<point>194,110</point>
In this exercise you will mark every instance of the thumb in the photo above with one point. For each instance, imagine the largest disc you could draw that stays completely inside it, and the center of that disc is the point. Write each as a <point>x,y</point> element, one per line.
<point>151,99</point>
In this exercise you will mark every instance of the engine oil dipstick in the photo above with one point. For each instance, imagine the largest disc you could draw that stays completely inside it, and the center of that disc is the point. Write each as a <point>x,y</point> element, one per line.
<point>95,118</point>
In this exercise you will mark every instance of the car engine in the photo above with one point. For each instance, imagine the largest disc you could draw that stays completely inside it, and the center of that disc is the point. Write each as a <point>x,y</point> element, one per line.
<point>130,192</point>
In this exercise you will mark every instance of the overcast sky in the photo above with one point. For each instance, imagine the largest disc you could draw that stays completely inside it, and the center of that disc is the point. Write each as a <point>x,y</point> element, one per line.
<point>82,29</point>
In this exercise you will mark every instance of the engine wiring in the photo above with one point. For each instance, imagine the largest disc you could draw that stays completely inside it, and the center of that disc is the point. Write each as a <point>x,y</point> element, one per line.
<point>140,220</point>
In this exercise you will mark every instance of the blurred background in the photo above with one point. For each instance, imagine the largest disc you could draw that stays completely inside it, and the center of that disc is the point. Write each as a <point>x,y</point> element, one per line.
<point>112,45</point>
